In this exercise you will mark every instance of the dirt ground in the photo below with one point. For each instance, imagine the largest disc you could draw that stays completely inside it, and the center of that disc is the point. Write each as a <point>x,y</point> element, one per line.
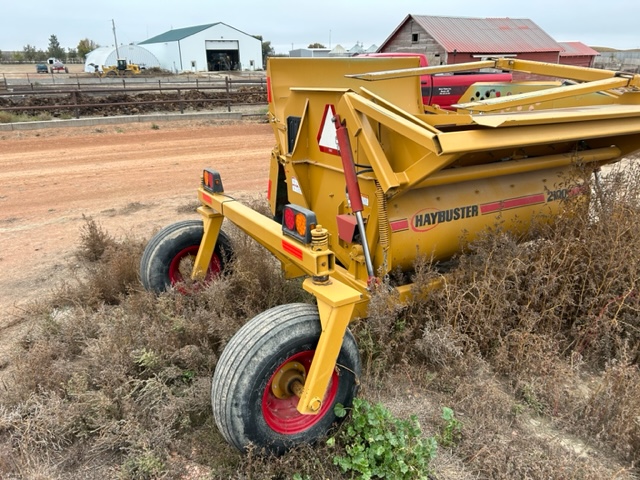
<point>131,179</point>
<point>31,68</point>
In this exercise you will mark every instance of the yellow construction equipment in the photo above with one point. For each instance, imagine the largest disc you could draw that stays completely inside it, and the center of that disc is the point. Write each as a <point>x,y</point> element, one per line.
<point>364,178</point>
<point>121,69</point>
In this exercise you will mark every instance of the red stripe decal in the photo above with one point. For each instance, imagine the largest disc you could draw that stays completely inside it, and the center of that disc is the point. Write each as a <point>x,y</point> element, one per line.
<point>292,249</point>
<point>512,203</point>
<point>398,225</point>
<point>269,94</point>
<point>206,198</point>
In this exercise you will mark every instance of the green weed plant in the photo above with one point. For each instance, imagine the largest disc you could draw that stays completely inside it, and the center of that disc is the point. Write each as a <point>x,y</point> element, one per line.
<point>379,445</point>
<point>451,430</point>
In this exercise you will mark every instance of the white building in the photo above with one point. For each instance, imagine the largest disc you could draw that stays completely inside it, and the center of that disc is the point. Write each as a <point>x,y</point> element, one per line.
<point>310,52</point>
<point>108,56</point>
<point>337,51</point>
<point>211,47</point>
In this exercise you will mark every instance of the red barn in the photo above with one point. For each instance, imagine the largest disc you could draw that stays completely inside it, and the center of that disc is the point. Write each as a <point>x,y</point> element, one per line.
<point>449,40</point>
<point>577,54</point>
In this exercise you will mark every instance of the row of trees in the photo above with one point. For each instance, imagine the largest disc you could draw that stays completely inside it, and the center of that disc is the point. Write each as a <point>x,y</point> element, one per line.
<point>31,54</point>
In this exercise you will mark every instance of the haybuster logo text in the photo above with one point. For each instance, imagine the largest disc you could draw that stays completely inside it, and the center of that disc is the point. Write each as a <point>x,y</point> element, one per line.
<point>429,218</point>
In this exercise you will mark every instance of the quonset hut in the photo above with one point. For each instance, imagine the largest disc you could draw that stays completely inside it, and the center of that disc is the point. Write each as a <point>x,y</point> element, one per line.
<point>108,56</point>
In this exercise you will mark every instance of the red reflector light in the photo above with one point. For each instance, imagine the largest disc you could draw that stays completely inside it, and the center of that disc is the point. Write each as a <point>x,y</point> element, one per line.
<point>289,219</point>
<point>298,222</point>
<point>269,94</point>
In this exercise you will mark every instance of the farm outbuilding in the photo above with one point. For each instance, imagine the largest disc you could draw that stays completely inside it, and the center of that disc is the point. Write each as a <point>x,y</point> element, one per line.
<point>577,54</point>
<point>109,56</point>
<point>449,40</point>
<point>210,47</point>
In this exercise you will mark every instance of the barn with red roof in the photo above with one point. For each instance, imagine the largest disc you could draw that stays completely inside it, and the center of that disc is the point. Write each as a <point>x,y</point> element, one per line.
<point>450,40</point>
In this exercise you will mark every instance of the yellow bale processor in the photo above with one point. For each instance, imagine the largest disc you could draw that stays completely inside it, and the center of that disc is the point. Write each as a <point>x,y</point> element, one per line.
<point>364,178</point>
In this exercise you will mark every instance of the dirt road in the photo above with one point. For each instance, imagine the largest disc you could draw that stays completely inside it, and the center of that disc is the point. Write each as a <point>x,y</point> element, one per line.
<point>132,179</point>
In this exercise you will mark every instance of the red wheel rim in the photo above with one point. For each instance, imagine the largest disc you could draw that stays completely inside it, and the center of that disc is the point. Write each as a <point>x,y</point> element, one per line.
<point>281,414</point>
<point>175,276</point>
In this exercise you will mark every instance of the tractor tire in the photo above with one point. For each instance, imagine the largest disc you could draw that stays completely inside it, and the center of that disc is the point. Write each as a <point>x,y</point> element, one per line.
<point>163,262</point>
<point>245,408</point>
<point>111,73</point>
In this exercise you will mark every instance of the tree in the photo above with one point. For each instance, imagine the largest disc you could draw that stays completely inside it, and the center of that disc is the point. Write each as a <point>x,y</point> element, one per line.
<point>267,51</point>
<point>72,54</point>
<point>316,45</point>
<point>55,50</point>
<point>85,46</point>
<point>29,53</point>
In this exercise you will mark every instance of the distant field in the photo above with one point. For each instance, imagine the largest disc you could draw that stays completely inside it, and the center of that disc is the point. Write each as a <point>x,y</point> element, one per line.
<point>31,68</point>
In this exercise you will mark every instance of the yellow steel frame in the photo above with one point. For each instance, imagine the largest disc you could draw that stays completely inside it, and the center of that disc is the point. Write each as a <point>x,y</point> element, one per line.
<point>336,300</point>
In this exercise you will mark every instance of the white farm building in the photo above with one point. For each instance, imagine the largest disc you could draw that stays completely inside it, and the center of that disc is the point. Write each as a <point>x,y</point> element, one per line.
<point>108,56</point>
<point>211,47</point>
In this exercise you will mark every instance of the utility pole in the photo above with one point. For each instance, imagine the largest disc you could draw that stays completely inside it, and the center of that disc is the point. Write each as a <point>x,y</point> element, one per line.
<point>114,38</point>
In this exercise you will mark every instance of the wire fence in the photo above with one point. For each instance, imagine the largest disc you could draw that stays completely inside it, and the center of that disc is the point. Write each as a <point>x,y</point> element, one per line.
<point>130,95</point>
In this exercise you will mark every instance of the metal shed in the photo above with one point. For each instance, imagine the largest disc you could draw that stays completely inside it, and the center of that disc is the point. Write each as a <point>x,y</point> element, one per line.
<point>209,47</point>
<point>108,56</point>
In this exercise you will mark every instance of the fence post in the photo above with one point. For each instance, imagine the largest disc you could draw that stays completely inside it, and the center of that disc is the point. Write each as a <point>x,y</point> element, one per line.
<point>74,98</point>
<point>180,102</point>
<point>227,82</point>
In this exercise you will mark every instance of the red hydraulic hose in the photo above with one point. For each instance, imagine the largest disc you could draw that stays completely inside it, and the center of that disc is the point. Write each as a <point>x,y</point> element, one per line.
<point>353,189</point>
<point>348,165</point>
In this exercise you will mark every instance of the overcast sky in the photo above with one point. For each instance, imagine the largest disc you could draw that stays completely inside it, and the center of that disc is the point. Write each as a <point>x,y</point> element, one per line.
<point>287,24</point>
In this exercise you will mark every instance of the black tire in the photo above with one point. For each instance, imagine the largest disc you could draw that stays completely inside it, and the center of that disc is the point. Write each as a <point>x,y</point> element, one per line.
<point>241,395</point>
<point>161,261</point>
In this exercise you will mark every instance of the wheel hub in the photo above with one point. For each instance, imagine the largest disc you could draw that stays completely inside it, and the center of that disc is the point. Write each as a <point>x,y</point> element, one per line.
<point>289,380</point>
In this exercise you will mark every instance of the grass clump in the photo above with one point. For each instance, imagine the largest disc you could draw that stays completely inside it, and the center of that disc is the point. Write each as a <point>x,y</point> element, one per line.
<point>7,117</point>
<point>145,466</point>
